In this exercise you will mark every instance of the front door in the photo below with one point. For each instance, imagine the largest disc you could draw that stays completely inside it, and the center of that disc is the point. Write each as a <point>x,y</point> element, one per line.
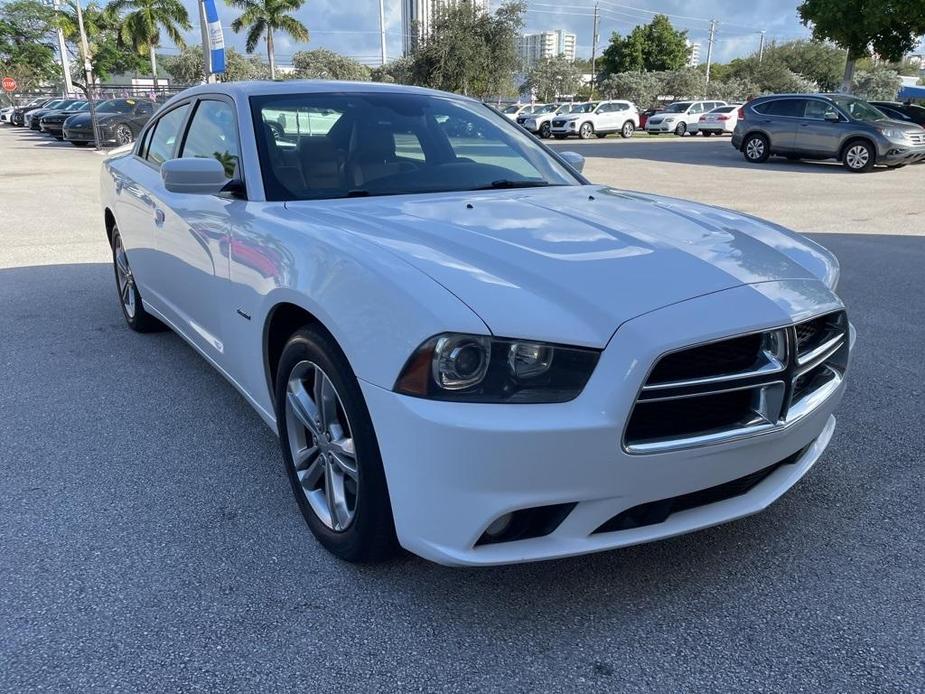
<point>818,134</point>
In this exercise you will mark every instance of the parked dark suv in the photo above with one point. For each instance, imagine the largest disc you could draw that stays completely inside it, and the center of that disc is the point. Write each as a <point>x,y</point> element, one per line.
<point>826,126</point>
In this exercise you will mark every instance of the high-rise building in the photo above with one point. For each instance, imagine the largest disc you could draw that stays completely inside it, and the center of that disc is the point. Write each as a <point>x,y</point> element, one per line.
<point>546,44</point>
<point>694,59</point>
<point>422,12</point>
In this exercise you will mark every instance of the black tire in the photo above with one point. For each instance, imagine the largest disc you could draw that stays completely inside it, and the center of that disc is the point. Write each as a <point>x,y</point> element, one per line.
<point>681,129</point>
<point>586,131</point>
<point>859,156</point>
<point>545,130</point>
<point>706,133</point>
<point>756,149</point>
<point>136,318</point>
<point>370,536</point>
<point>600,136</point>
<point>628,130</point>
<point>79,143</point>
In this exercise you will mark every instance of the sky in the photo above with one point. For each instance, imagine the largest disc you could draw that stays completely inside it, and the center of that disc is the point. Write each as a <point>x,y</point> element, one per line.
<point>351,27</point>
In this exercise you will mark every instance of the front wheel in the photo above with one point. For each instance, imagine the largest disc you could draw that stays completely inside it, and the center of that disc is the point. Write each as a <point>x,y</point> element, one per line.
<point>124,134</point>
<point>681,129</point>
<point>585,131</point>
<point>628,130</point>
<point>756,149</point>
<point>545,130</point>
<point>859,157</point>
<point>330,449</point>
<point>133,309</point>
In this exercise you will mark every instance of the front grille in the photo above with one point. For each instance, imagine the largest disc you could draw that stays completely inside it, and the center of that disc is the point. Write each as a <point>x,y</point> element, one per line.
<point>558,124</point>
<point>917,138</point>
<point>738,386</point>
<point>654,512</point>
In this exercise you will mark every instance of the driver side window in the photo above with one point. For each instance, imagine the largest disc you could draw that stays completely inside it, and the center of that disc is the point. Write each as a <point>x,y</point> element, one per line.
<point>164,137</point>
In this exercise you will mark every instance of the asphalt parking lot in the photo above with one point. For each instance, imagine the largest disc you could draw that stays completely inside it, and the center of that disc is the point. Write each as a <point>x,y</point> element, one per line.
<point>149,540</point>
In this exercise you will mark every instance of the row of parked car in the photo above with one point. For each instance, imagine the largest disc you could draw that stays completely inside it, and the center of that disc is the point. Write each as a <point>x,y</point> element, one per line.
<point>118,120</point>
<point>601,118</point>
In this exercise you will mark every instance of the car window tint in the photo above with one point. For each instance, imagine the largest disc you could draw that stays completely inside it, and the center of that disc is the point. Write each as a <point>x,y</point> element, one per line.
<point>212,133</point>
<point>817,109</point>
<point>783,107</point>
<point>165,134</point>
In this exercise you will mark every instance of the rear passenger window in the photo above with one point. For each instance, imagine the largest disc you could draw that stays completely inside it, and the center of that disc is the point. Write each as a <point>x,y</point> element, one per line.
<point>213,133</point>
<point>164,137</point>
<point>782,107</point>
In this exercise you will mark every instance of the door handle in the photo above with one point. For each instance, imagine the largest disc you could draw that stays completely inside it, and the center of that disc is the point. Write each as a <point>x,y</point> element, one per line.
<point>159,217</point>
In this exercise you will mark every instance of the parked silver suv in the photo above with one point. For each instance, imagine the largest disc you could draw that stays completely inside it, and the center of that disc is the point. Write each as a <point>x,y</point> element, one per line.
<point>826,126</point>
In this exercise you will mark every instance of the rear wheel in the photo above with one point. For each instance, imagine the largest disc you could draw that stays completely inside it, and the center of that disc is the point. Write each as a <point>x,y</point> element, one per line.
<point>859,156</point>
<point>628,129</point>
<point>756,149</point>
<point>330,449</point>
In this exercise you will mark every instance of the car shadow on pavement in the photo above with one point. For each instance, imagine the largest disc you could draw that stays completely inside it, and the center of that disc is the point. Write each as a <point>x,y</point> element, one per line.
<point>698,151</point>
<point>34,138</point>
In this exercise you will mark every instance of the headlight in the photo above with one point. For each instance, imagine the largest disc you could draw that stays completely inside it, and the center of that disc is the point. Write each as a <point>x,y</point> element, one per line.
<point>894,134</point>
<point>478,368</point>
<point>670,119</point>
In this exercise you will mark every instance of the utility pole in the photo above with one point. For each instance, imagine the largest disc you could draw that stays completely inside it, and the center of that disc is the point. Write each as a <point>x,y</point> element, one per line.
<point>761,47</point>
<point>62,49</point>
<point>382,54</point>
<point>88,72</point>
<point>710,47</point>
<point>594,48</point>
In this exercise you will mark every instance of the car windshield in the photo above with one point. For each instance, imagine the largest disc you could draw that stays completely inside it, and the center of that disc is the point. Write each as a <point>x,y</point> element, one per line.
<point>679,107</point>
<point>566,108</point>
<point>724,109</point>
<point>316,146</point>
<point>857,109</point>
<point>548,108</point>
<point>116,106</point>
<point>512,109</point>
<point>584,108</point>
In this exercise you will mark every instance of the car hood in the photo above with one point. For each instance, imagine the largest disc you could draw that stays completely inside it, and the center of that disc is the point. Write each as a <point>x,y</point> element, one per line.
<point>571,116</point>
<point>899,125</point>
<point>571,263</point>
<point>83,118</point>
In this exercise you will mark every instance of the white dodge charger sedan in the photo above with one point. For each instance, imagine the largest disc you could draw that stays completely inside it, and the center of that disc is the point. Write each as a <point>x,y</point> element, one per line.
<point>466,348</point>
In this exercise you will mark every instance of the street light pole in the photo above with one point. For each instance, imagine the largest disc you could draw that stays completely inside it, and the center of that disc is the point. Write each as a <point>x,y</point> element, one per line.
<point>62,50</point>
<point>761,47</point>
<point>710,47</point>
<point>382,31</point>
<point>594,48</point>
<point>88,72</point>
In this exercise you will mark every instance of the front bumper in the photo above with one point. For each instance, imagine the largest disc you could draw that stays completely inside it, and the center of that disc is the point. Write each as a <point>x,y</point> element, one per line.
<point>661,127</point>
<point>893,154</point>
<point>454,468</point>
<point>85,134</point>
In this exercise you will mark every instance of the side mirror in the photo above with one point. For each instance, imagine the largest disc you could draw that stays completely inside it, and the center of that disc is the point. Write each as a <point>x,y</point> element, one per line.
<point>831,116</point>
<point>202,176</point>
<point>574,159</point>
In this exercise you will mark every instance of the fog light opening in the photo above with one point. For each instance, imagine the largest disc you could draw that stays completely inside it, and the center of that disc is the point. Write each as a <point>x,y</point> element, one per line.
<point>499,525</point>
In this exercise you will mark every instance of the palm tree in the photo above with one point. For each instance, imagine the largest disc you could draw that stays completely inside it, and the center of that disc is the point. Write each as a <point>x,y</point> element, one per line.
<point>142,26</point>
<point>264,17</point>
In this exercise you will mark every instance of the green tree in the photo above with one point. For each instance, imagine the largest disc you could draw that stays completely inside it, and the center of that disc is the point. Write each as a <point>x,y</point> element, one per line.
<point>770,76</point>
<point>891,28</point>
<point>685,84</point>
<point>187,67</point>
<point>398,71</point>
<point>816,61</point>
<point>654,46</point>
<point>26,51</point>
<point>262,18</point>
<point>469,50</point>
<point>108,53</point>
<point>642,88</point>
<point>322,64</point>
<point>876,84</point>
<point>143,22</point>
<point>553,77</point>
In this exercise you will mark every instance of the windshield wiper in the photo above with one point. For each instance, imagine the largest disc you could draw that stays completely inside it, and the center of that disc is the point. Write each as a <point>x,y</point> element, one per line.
<point>507,183</point>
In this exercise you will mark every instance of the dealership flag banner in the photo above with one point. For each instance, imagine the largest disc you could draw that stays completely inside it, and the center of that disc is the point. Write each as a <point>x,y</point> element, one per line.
<point>216,38</point>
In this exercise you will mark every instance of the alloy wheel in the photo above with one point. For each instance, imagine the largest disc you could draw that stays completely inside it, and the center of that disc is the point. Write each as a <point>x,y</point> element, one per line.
<point>628,129</point>
<point>124,135</point>
<point>857,157</point>
<point>755,148</point>
<point>322,446</point>
<point>586,131</point>
<point>126,281</point>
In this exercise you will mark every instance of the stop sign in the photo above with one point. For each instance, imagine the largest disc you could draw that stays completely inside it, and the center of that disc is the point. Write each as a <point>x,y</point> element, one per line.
<point>9,84</point>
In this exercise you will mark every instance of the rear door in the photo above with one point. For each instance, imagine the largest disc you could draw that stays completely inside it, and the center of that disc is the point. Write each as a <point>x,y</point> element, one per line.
<point>780,119</point>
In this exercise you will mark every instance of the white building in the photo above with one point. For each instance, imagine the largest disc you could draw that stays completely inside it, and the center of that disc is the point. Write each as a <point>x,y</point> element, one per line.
<point>422,12</point>
<point>694,59</point>
<point>546,44</point>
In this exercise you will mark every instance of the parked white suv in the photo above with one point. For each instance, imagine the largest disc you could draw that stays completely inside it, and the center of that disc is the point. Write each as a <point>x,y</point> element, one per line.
<point>681,117</point>
<point>540,121</point>
<point>598,118</point>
